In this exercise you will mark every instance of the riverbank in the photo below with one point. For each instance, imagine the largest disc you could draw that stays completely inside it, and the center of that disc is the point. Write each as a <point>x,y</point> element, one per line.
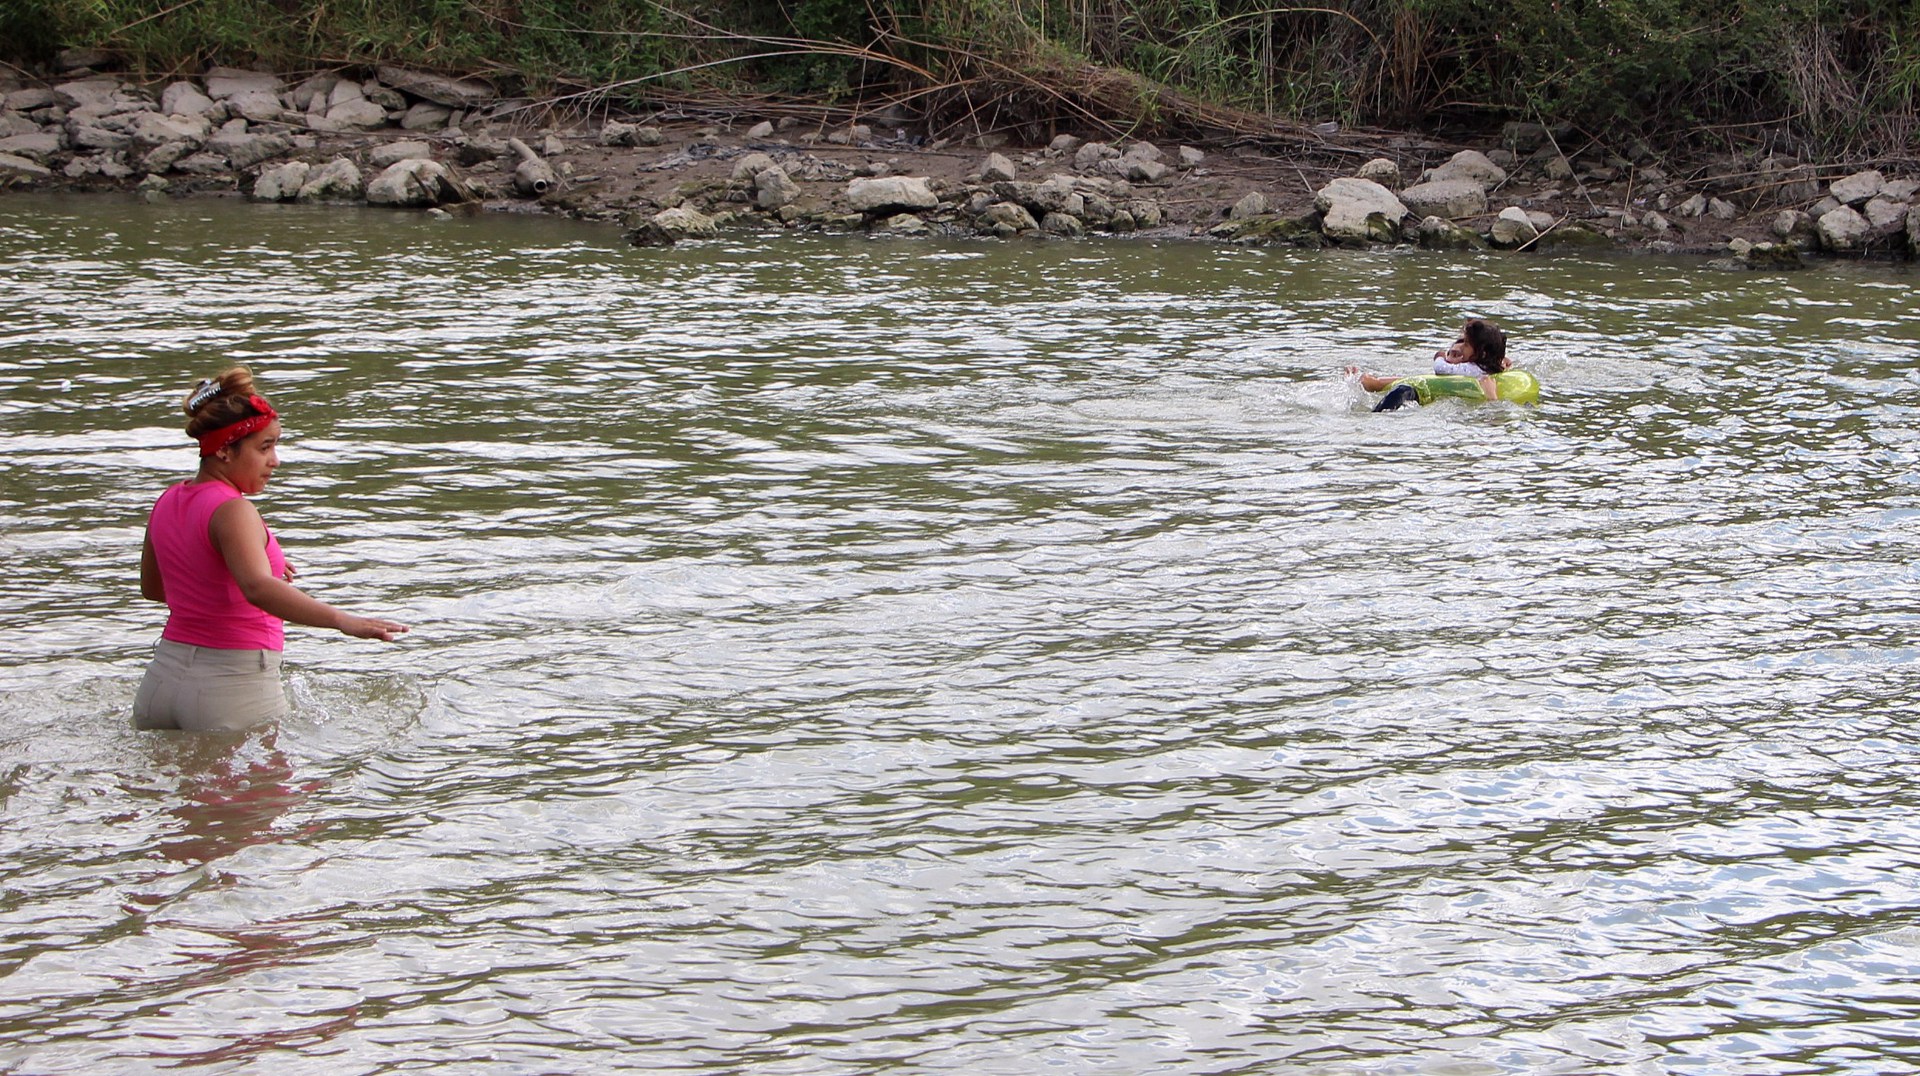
<point>414,140</point>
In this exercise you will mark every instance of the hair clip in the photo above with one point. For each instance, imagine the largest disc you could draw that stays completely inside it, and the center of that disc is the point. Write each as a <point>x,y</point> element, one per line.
<point>207,391</point>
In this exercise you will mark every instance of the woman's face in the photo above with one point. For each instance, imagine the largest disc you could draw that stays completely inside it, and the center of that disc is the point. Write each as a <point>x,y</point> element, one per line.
<point>251,459</point>
<point>1462,349</point>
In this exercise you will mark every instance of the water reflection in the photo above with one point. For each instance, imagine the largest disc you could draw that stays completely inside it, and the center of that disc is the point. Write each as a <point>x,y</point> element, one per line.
<point>837,656</point>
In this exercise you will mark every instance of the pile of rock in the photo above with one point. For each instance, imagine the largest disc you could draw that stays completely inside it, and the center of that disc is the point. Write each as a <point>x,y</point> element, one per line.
<point>229,121</point>
<point>1371,207</point>
<point>1860,212</point>
<point>237,122</point>
<point>1102,192</point>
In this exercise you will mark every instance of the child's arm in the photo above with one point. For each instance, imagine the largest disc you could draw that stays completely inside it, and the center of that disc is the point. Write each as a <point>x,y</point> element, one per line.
<point>1371,382</point>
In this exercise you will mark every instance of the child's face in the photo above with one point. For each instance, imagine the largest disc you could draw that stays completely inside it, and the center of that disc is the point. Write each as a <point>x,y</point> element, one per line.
<point>1461,350</point>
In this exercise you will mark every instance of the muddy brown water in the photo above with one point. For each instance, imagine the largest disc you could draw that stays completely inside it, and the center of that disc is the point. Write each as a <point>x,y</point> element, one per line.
<point>836,656</point>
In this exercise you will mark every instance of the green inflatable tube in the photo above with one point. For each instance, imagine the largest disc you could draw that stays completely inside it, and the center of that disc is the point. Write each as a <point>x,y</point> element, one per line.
<point>1513,386</point>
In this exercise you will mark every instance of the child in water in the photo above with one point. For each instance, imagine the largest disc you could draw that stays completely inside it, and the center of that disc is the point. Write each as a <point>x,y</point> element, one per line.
<point>1480,351</point>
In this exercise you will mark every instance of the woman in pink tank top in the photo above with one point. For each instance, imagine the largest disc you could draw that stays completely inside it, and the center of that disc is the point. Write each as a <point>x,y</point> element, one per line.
<point>227,587</point>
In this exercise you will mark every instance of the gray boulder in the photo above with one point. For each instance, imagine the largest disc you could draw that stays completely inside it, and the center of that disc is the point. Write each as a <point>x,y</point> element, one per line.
<point>669,226</point>
<point>1252,205</point>
<point>37,146</point>
<point>1764,256</point>
<point>28,100</point>
<point>1384,172</point>
<point>1857,188</point>
<point>1512,228</point>
<point>1913,232</point>
<point>194,164</point>
<point>903,224</point>
<point>89,137</point>
<point>1886,216</point>
<point>1843,230</point>
<point>1191,157</point>
<point>1439,233</point>
<point>1089,155</point>
<point>750,166</point>
<point>615,133</point>
<point>416,184</point>
<point>450,93</point>
<point>185,99</point>
<point>1063,224</point>
<point>355,113</point>
<point>1006,219</point>
<point>410,150</point>
<point>760,130</point>
<point>891,193</point>
<point>426,116</point>
<point>257,106</point>
<point>244,149</point>
<point>311,93</point>
<point>100,94</point>
<point>281,182</point>
<point>149,129</point>
<point>167,156</point>
<point>1142,170</point>
<point>997,169</point>
<point>1470,165</point>
<point>1359,211</point>
<point>1064,144</point>
<point>773,188</point>
<point>225,83</point>
<point>14,165</point>
<point>16,123</point>
<point>1448,198</point>
<point>338,180</point>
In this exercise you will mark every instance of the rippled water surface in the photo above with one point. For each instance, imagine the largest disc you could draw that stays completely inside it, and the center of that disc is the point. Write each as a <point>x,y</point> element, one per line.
<point>835,656</point>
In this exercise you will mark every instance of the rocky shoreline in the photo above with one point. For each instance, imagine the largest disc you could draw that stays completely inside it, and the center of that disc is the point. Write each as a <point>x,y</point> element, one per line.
<point>412,140</point>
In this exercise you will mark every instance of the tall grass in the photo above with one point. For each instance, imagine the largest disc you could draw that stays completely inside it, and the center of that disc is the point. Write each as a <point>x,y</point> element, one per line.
<point>1822,76</point>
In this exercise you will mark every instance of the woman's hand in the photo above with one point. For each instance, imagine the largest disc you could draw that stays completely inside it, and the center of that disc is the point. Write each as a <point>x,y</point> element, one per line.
<point>361,627</point>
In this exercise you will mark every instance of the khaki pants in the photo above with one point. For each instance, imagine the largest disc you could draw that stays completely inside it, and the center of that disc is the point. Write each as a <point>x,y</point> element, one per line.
<point>203,689</point>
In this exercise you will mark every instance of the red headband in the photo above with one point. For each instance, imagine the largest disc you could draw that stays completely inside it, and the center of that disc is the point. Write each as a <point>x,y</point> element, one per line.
<point>215,440</point>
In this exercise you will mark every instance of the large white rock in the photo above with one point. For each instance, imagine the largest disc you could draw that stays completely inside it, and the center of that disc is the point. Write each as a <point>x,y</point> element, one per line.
<point>185,99</point>
<point>891,192</point>
<point>415,183</point>
<point>1471,165</point>
<point>1855,189</point>
<point>246,149</point>
<point>1843,230</point>
<point>154,129</point>
<point>257,106</point>
<point>451,92</point>
<point>411,150</point>
<point>773,188</point>
<point>20,166</point>
<point>1359,210</point>
<point>336,181</point>
<point>1513,228</point>
<point>97,93</point>
<point>35,146</point>
<point>358,112</point>
<point>226,82</point>
<point>1448,198</point>
<point>281,182</point>
<point>1886,216</point>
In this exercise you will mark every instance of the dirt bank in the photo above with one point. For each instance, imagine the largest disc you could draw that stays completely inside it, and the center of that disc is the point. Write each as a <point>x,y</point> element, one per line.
<point>1552,187</point>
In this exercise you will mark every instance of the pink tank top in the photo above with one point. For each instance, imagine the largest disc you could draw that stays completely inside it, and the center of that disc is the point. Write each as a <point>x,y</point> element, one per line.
<point>204,604</point>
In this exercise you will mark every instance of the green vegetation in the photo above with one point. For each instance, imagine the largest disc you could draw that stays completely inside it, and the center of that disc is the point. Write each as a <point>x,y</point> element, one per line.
<point>1828,77</point>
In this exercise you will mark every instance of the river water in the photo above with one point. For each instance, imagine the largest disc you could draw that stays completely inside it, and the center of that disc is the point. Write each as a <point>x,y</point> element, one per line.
<point>835,656</point>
